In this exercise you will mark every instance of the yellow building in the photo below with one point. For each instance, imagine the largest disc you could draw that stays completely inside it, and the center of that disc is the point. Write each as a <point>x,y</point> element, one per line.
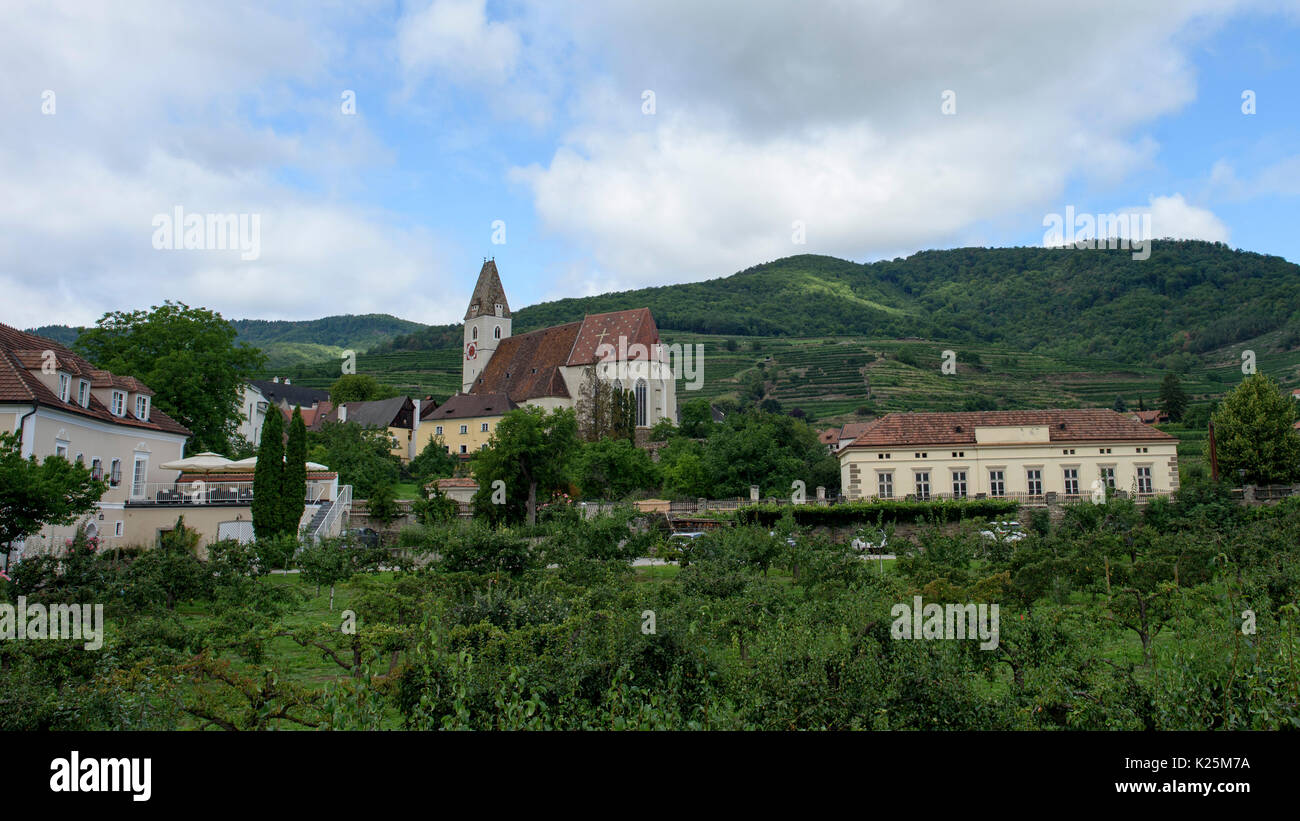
<point>465,422</point>
<point>397,415</point>
<point>1017,454</point>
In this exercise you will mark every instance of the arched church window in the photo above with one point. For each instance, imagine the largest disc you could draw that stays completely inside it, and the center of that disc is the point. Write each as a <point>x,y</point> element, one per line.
<point>496,332</point>
<point>641,403</point>
<point>475,333</point>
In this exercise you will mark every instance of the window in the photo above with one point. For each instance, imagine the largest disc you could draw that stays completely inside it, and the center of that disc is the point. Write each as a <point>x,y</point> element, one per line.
<point>1103,450</point>
<point>483,428</point>
<point>997,483</point>
<point>923,484</point>
<point>83,393</point>
<point>1068,451</point>
<point>115,473</point>
<point>81,459</point>
<point>920,455</point>
<point>119,403</point>
<point>1142,450</point>
<point>641,403</point>
<point>885,482</point>
<point>142,407</point>
<point>61,450</point>
<point>1071,481</point>
<point>496,332</point>
<point>1034,477</point>
<point>438,430</point>
<point>117,528</point>
<point>1108,476</point>
<point>64,382</point>
<point>96,468</point>
<point>959,484</point>
<point>474,333</point>
<point>463,450</point>
<point>483,446</point>
<point>138,477</point>
<point>1144,479</point>
<point>959,454</point>
<point>464,428</point>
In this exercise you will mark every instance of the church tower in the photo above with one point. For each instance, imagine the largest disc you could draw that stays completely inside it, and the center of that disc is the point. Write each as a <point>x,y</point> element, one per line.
<point>487,322</point>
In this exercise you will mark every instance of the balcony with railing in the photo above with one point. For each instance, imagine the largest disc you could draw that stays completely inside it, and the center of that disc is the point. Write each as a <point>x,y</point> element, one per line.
<point>209,493</point>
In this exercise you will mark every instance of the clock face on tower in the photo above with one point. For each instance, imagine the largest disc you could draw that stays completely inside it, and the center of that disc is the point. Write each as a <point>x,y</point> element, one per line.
<point>471,351</point>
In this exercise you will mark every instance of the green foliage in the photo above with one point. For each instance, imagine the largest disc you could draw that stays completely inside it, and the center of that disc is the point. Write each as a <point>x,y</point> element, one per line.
<point>188,356</point>
<point>529,451</point>
<point>362,456</point>
<point>613,469</point>
<point>268,506</point>
<point>293,493</point>
<point>1255,433</point>
<point>382,504</point>
<point>886,510</point>
<point>359,387</point>
<point>1173,400</point>
<point>433,462</point>
<point>768,450</point>
<point>33,495</point>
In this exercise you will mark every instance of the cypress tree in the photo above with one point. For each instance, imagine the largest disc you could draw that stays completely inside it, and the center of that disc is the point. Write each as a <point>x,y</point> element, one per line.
<point>295,474</point>
<point>268,478</point>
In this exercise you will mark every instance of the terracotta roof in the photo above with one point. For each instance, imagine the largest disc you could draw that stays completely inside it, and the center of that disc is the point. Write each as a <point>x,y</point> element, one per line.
<point>1150,417</point>
<point>1074,425</point>
<point>636,326</point>
<point>488,293</point>
<point>311,417</point>
<point>469,405</point>
<point>19,385</point>
<point>829,436</point>
<point>455,482</point>
<point>852,430</point>
<point>527,366</point>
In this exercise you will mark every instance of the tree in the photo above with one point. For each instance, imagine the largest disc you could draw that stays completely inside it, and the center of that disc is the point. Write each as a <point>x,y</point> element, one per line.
<point>603,410</point>
<point>33,495</point>
<point>1254,429</point>
<point>382,504</point>
<point>1173,400</point>
<point>697,418</point>
<point>1119,406</point>
<point>359,387</point>
<point>188,356</point>
<point>293,494</point>
<point>268,479</point>
<point>434,462</point>
<point>530,452</point>
<point>171,572</point>
<point>613,468</point>
<point>362,456</point>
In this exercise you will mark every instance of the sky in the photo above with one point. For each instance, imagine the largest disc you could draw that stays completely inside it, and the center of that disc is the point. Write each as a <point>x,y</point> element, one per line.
<point>374,153</point>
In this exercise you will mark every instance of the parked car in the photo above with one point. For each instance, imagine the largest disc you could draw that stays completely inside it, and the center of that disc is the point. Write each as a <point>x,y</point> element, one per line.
<point>1004,532</point>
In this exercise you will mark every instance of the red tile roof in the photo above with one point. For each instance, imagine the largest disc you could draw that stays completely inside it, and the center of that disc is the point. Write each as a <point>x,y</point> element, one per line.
<point>527,366</point>
<point>636,326</point>
<point>19,385</point>
<point>1074,425</point>
<point>470,405</point>
<point>1150,417</point>
<point>852,430</point>
<point>829,436</point>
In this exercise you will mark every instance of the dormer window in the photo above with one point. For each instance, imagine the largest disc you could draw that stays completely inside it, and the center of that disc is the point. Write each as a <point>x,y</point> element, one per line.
<point>500,309</point>
<point>83,393</point>
<point>65,383</point>
<point>142,408</point>
<point>119,403</point>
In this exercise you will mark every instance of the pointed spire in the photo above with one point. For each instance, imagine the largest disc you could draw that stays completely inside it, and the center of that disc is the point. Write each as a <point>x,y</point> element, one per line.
<point>488,293</point>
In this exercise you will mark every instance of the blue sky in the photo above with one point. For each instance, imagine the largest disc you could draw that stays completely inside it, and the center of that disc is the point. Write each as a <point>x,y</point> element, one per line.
<point>770,122</point>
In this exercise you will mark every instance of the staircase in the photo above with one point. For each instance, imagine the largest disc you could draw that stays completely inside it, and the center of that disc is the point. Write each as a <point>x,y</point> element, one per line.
<point>321,513</point>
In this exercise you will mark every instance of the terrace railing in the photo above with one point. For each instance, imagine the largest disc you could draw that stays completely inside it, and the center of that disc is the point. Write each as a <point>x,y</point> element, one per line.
<point>199,492</point>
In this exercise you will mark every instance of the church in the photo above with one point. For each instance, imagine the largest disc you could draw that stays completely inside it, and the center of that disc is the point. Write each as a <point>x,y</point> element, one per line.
<point>549,367</point>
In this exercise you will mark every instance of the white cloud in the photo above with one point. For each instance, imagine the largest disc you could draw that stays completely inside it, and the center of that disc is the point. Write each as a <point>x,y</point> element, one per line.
<point>454,39</point>
<point>1173,217</point>
<point>830,114</point>
<point>158,105</point>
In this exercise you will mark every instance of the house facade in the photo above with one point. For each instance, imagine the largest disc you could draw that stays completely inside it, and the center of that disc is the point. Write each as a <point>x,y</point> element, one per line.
<point>1017,454</point>
<point>548,368</point>
<point>260,395</point>
<point>465,422</point>
<point>64,407</point>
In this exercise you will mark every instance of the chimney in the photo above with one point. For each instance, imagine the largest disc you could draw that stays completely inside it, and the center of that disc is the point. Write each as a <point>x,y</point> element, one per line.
<point>415,429</point>
<point>343,413</point>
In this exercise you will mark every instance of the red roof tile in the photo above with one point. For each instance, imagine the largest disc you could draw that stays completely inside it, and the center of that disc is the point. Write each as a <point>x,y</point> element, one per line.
<point>527,366</point>
<point>1073,425</point>
<point>19,385</point>
<point>636,326</point>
